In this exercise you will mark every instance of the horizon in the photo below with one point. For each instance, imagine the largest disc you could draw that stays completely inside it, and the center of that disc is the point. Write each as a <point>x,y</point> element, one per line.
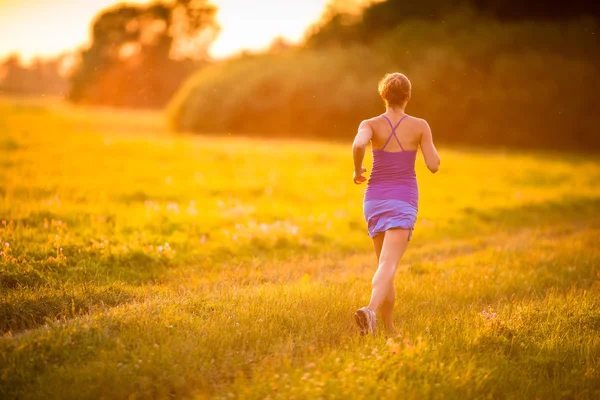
<point>244,26</point>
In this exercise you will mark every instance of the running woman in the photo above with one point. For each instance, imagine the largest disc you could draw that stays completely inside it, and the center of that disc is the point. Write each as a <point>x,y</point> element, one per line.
<point>392,197</point>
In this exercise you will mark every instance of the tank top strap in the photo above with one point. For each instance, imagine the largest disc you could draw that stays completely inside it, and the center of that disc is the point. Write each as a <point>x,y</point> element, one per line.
<point>393,131</point>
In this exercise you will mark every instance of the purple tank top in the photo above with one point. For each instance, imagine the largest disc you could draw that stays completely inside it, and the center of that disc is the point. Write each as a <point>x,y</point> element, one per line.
<point>393,176</point>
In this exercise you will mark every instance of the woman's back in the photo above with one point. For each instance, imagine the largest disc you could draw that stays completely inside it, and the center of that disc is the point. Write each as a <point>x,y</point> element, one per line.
<point>408,132</point>
<point>394,154</point>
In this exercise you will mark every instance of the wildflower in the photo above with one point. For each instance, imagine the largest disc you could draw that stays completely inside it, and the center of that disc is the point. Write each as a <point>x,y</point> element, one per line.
<point>174,207</point>
<point>191,210</point>
<point>6,244</point>
<point>488,315</point>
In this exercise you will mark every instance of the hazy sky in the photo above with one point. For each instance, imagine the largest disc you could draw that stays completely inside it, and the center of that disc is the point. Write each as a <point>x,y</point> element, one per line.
<point>48,27</point>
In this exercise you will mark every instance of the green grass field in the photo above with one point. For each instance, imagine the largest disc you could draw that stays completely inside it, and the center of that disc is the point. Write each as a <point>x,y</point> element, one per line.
<point>138,264</point>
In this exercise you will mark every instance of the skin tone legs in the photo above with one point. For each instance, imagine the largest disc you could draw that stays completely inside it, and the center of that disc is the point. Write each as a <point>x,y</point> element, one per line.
<point>389,247</point>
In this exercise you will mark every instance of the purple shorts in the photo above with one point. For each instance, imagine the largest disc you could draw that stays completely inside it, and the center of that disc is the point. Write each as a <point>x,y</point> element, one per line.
<point>382,215</point>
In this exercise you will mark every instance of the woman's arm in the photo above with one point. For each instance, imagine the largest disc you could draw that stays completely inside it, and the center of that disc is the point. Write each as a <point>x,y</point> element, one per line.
<point>362,139</point>
<point>432,158</point>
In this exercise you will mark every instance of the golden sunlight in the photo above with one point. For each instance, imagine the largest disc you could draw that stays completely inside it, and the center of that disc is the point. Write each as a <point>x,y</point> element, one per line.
<point>253,25</point>
<point>49,27</point>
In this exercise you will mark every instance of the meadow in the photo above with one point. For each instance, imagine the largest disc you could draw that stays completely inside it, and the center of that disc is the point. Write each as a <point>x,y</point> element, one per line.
<point>137,264</point>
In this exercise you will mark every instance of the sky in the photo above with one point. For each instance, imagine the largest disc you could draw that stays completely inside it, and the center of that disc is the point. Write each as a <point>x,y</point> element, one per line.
<point>49,27</point>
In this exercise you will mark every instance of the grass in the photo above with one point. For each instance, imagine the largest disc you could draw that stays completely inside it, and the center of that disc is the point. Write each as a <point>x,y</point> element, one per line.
<point>138,264</point>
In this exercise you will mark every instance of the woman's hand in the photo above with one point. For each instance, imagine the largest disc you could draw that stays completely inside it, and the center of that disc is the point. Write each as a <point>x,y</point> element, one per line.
<point>358,177</point>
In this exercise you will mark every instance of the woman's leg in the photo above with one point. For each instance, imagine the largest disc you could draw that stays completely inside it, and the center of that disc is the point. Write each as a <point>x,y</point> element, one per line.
<point>387,307</point>
<point>378,244</point>
<point>393,244</point>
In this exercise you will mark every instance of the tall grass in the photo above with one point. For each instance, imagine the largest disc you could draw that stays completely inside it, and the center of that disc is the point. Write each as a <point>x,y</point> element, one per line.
<point>477,81</point>
<point>136,264</point>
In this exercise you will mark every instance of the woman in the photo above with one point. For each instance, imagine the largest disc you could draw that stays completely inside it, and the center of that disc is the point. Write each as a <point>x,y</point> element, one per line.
<point>392,195</point>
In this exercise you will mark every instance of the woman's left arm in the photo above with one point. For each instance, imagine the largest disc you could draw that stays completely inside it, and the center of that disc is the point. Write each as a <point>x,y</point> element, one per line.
<point>362,139</point>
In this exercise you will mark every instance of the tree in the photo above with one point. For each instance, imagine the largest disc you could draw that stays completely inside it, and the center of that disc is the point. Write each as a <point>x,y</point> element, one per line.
<point>140,54</point>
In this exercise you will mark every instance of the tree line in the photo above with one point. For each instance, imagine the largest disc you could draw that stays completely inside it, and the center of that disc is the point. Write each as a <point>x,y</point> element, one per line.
<point>339,26</point>
<point>138,57</point>
<point>46,77</point>
<point>482,75</point>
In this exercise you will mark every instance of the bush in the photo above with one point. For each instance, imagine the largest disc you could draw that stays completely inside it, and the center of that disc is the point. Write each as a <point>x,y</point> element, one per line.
<point>477,81</point>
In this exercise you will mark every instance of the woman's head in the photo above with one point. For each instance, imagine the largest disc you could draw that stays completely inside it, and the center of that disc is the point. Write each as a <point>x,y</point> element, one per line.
<point>395,90</point>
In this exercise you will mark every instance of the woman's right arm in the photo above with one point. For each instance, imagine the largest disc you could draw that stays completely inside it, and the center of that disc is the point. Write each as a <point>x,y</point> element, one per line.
<point>432,158</point>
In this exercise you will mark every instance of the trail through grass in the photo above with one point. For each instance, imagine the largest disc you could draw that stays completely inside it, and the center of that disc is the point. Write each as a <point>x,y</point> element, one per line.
<point>138,264</point>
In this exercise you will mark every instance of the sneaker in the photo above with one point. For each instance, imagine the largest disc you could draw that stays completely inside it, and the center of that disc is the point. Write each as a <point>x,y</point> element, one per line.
<point>365,319</point>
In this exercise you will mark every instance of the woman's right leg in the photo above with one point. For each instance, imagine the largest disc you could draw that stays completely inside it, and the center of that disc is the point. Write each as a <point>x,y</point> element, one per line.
<point>387,307</point>
<point>383,296</point>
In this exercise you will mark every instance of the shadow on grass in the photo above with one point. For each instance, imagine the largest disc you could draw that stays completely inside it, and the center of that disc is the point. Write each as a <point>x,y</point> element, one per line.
<point>572,208</point>
<point>27,309</point>
<point>535,214</point>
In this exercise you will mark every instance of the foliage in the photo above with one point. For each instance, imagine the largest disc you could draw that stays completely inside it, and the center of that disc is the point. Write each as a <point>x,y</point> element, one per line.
<point>476,81</point>
<point>136,264</point>
<point>380,17</point>
<point>339,26</point>
<point>131,61</point>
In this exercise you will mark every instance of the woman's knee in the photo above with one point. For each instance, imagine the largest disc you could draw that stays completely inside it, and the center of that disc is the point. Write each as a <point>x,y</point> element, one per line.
<point>386,269</point>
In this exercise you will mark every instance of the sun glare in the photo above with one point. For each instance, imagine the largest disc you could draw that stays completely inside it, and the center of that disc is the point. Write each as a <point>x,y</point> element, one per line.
<point>49,27</point>
<point>253,25</point>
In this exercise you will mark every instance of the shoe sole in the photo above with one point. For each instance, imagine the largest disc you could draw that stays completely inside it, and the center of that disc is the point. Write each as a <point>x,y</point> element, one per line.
<point>361,320</point>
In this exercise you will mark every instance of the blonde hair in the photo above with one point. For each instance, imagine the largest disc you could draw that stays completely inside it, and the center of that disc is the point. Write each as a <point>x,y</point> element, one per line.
<point>395,89</point>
